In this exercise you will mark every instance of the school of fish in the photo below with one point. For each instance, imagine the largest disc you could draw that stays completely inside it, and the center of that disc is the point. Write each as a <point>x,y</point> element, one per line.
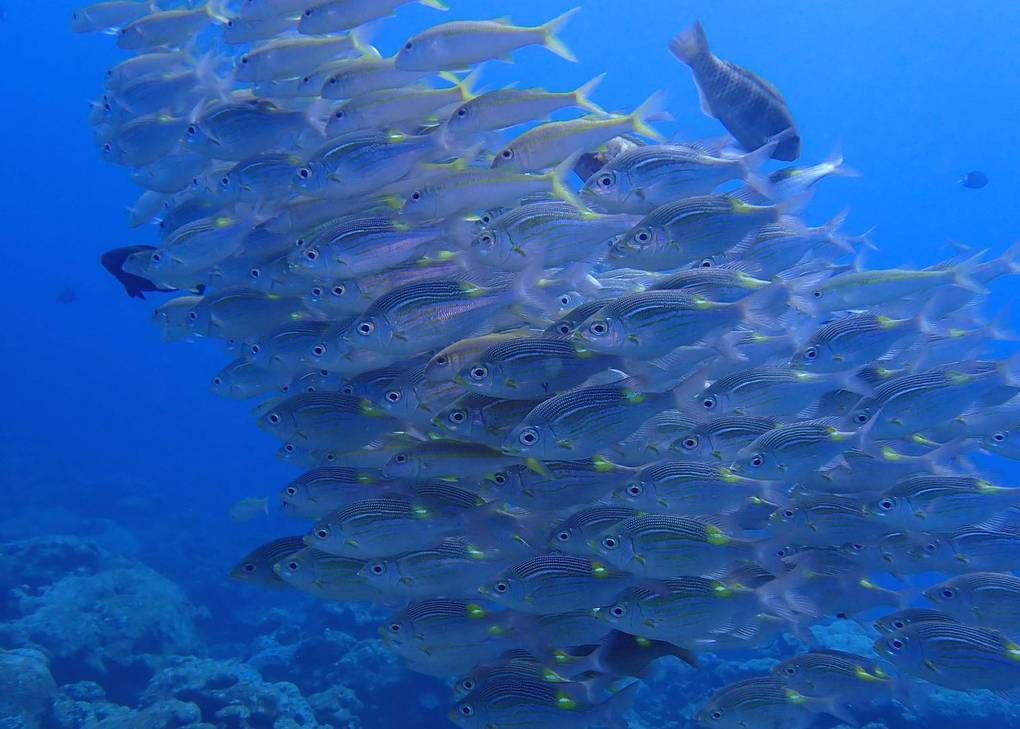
<point>566,428</point>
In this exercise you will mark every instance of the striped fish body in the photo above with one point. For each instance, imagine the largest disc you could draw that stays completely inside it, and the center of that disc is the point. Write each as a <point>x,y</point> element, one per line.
<point>325,420</point>
<point>447,459</point>
<point>686,487</point>
<point>954,655</point>
<point>583,422</point>
<point>425,316</point>
<point>750,108</point>
<point>764,702</point>
<point>987,599</point>
<point>482,419</point>
<point>363,75</point>
<point>941,504</point>
<point>237,131</point>
<point>764,391</point>
<point>653,323</point>
<point>389,108</point>
<point>792,451</point>
<point>648,176</point>
<point>529,703</point>
<point>383,526</point>
<point>530,368</point>
<point>668,545</point>
<point>986,550</point>
<point>829,674</point>
<point>321,490</point>
<point>259,177</point>
<point>721,285</point>
<point>689,230</point>
<point>454,568</point>
<point>902,619</point>
<point>414,399</point>
<point>285,348</point>
<point>778,247</point>
<point>558,583</point>
<point>825,520</point>
<point>561,484</point>
<point>326,576</point>
<point>243,314</point>
<point>851,341</point>
<point>682,610</point>
<point>446,623</point>
<point>291,57</point>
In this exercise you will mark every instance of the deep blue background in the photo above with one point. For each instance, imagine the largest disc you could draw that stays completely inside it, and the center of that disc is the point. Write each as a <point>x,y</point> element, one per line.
<point>914,93</point>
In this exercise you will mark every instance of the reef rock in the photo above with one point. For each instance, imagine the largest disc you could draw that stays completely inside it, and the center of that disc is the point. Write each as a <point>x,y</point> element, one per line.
<point>26,688</point>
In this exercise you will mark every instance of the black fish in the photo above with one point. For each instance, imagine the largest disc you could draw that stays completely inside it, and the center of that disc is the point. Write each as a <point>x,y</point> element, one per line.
<point>975,180</point>
<point>750,108</point>
<point>113,261</point>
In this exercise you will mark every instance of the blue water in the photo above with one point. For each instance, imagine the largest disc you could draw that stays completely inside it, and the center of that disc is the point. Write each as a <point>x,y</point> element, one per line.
<point>110,434</point>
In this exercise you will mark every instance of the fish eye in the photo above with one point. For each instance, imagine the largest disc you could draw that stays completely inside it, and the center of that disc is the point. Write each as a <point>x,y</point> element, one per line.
<point>285,388</point>
<point>230,23</point>
<point>485,239</point>
<point>330,457</point>
<point>289,447</point>
<point>564,300</point>
<point>501,586</point>
<point>400,458</point>
<point>757,460</point>
<point>618,611</point>
<point>563,536</point>
<point>499,479</point>
<point>457,416</point>
<point>885,504</point>
<point>716,715</point>
<point>708,403</point>
<point>300,243</point>
<point>347,389</point>
<point>817,294</point>
<point>365,328</point>
<point>394,396</point>
<point>311,254</point>
<point>225,181</point>
<point>308,12</point>
<point>322,533</point>
<point>293,566</point>
<point>339,290</point>
<point>467,684</point>
<point>690,442</point>
<point>394,627</point>
<point>789,670</point>
<point>811,353</point>
<point>857,547</point>
<point>563,328</point>
<point>408,46</point>
<point>947,593</point>
<point>316,292</point>
<point>899,624</point>
<point>273,419</point>
<point>999,437</point>
<point>192,316</point>
<point>861,418</point>
<point>896,644</point>
<point>416,195</point>
<point>706,263</point>
<point>244,59</point>
<point>378,569</point>
<point>479,373</point>
<point>248,567</point>
<point>466,710</point>
<point>291,491</point>
<point>931,547</point>
<point>304,173</point>
<point>634,489</point>
<point>332,80</point>
<point>528,436</point>
<point>255,349</point>
<point>507,153</point>
<point>441,359</point>
<point>217,380</point>
<point>191,131</point>
<point>788,513</point>
<point>254,273</point>
<point>339,114</point>
<point>462,112</point>
<point>598,328</point>
<point>318,350</point>
<point>606,180</point>
<point>610,543</point>
<point>643,236</point>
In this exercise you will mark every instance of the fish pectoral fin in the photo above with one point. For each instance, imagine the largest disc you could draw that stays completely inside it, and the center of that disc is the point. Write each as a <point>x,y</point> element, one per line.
<point>563,443</point>
<point>930,665</point>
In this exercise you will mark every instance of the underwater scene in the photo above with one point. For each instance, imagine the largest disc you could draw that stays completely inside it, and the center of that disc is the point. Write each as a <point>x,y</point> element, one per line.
<point>377,364</point>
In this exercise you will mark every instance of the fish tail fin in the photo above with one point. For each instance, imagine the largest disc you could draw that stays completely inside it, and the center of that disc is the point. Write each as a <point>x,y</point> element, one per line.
<point>551,41</point>
<point>763,307</point>
<point>583,91</point>
<point>558,177</point>
<point>1010,258</point>
<point>205,72</point>
<point>691,44</point>
<point>434,4</point>
<point>834,164</point>
<point>803,289</point>
<point>218,10</point>
<point>468,83</point>
<point>751,163</point>
<point>650,107</point>
<point>963,272</point>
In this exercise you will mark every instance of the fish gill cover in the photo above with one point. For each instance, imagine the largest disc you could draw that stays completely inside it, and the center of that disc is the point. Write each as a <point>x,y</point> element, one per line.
<point>565,427</point>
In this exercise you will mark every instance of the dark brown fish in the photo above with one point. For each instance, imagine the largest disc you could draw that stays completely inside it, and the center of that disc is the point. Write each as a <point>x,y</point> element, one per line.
<point>750,108</point>
<point>135,286</point>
